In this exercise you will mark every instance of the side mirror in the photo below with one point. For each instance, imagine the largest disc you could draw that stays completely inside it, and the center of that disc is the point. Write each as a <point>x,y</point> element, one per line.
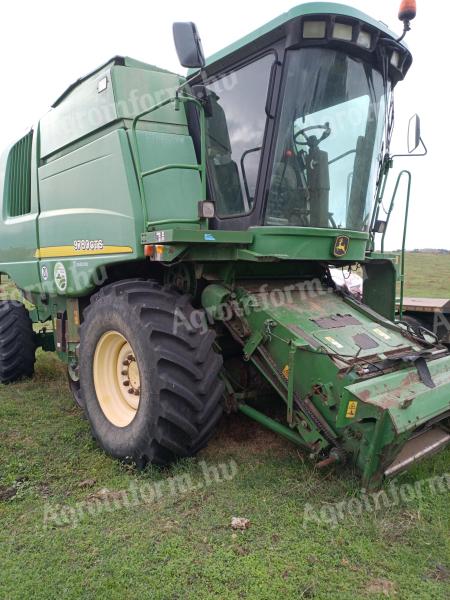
<point>414,133</point>
<point>188,45</point>
<point>414,139</point>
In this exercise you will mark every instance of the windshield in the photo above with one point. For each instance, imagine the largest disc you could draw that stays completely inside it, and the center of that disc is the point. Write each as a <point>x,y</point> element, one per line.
<point>329,140</point>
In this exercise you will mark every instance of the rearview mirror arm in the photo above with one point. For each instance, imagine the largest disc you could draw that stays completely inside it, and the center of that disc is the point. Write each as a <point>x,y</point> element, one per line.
<point>424,153</point>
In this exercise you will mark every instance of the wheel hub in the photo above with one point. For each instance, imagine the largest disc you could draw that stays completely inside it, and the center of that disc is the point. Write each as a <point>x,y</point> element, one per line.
<point>128,375</point>
<point>116,378</point>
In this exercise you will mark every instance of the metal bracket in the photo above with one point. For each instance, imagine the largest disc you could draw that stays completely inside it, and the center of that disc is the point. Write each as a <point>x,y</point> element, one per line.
<point>254,341</point>
<point>257,337</point>
<point>290,394</point>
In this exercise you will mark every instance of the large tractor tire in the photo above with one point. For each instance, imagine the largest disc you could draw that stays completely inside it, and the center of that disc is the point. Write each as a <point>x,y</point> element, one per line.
<point>17,342</point>
<point>152,393</point>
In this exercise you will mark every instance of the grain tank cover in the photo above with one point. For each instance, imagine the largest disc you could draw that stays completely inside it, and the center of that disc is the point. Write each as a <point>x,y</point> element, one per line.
<point>111,95</point>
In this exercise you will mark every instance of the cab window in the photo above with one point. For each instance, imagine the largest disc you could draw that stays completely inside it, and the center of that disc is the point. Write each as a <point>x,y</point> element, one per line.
<point>235,133</point>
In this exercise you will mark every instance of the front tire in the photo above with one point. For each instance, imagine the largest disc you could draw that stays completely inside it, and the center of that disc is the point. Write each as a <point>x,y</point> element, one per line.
<point>17,342</point>
<point>152,393</point>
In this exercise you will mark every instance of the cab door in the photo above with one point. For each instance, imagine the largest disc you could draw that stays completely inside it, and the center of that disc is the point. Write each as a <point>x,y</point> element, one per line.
<point>237,129</point>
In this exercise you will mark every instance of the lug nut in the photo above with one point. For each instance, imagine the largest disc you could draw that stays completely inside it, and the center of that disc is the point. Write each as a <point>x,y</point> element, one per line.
<point>126,382</point>
<point>124,372</point>
<point>126,363</point>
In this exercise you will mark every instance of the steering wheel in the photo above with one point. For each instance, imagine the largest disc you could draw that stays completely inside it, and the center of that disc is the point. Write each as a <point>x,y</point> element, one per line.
<point>312,141</point>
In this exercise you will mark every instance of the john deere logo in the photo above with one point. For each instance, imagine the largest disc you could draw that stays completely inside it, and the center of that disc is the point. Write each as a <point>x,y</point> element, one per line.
<point>341,245</point>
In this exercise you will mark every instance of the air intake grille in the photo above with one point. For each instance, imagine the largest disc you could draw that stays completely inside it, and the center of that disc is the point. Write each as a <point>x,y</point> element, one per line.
<point>18,177</point>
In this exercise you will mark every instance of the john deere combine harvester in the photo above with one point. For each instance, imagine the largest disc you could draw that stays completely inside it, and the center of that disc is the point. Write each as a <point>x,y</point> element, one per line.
<point>176,236</point>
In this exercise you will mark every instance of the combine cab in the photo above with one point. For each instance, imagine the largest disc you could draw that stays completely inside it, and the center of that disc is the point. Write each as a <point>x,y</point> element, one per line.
<point>176,238</point>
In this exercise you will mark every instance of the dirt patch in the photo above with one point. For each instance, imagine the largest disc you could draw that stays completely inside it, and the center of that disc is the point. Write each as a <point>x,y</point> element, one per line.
<point>394,531</point>
<point>7,492</point>
<point>382,587</point>
<point>16,439</point>
<point>238,432</point>
<point>439,573</point>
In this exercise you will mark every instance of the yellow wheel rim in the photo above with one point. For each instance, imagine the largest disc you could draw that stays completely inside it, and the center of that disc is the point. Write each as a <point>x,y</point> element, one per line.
<point>116,378</point>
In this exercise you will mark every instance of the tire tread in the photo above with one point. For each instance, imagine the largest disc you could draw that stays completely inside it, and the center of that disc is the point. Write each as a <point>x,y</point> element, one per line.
<point>187,366</point>
<point>17,342</point>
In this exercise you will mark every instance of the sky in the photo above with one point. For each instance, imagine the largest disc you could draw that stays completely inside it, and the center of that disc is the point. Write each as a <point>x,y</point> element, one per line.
<point>47,45</point>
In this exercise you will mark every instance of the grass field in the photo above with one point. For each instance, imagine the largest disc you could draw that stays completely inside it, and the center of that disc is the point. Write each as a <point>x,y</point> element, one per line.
<point>66,531</point>
<point>428,275</point>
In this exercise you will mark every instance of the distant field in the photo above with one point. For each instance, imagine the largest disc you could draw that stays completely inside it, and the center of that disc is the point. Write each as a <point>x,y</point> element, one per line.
<point>428,275</point>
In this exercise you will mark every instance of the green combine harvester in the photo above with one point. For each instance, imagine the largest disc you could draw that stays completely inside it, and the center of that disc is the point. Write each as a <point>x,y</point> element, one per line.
<point>175,237</point>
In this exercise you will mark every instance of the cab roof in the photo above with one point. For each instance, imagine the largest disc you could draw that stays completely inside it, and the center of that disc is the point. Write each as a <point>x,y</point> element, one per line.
<point>310,8</point>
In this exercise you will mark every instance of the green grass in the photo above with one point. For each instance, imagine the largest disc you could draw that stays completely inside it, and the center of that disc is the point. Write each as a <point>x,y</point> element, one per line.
<point>427,275</point>
<point>182,546</point>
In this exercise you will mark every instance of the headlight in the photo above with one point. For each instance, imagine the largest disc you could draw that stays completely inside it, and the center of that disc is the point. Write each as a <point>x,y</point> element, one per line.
<point>364,39</point>
<point>314,29</point>
<point>395,59</point>
<point>341,31</point>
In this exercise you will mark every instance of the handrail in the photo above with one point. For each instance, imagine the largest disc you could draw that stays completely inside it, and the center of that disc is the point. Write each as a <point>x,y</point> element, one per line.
<point>405,228</point>
<point>244,175</point>
<point>381,187</point>
<point>201,168</point>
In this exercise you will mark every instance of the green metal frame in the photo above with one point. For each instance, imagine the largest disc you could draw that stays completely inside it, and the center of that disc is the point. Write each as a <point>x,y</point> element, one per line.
<point>201,167</point>
<point>381,188</point>
<point>405,229</point>
<point>273,425</point>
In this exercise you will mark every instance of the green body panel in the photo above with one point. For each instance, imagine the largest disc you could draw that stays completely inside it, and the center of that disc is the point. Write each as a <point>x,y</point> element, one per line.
<point>303,243</point>
<point>18,235</point>
<point>84,184</point>
<point>380,281</point>
<point>89,194</point>
<point>261,243</point>
<point>129,90</point>
<point>193,236</point>
<point>408,401</point>
<point>137,89</point>
<point>175,192</point>
<point>83,111</point>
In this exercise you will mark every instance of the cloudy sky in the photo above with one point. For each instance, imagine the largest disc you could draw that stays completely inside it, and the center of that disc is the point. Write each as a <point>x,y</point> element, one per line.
<point>46,45</point>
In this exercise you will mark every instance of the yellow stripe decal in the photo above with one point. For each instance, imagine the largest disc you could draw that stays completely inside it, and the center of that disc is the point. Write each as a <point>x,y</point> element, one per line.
<point>62,251</point>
